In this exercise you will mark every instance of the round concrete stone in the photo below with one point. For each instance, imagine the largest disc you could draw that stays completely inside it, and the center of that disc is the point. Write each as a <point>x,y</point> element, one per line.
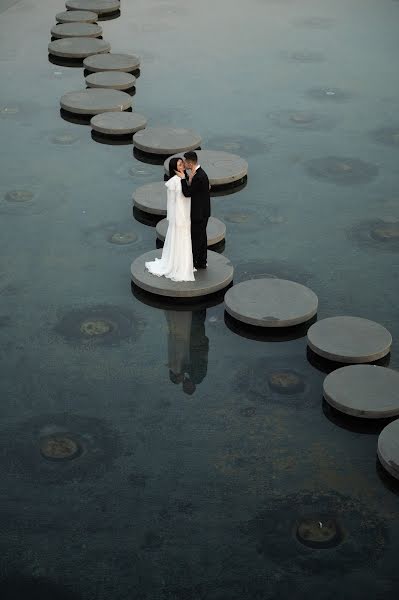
<point>112,62</point>
<point>388,448</point>
<point>217,276</point>
<point>365,391</point>
<point>94,102</point>
<point>166,140</point>
<point>151,198</point>
<point>76,16</point>
<point>118,123</point>
<point>349,340</point>
<point>101,7</point>
<point>216,230</point>
<point>79,47</point>
<point>71,30</point>
<point>271,302</point>
<point>116,80</point>
<point>222,168</point>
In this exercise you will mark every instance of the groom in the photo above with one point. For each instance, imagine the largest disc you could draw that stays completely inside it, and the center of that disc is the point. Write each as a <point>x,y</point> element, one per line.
<point>197,187</point>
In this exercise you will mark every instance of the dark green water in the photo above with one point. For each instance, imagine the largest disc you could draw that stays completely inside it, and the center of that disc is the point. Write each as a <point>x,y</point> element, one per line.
<point>195,467</point>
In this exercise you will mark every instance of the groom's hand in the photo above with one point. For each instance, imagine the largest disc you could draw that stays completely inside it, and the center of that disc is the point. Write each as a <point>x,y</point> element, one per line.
<point>181,175</point>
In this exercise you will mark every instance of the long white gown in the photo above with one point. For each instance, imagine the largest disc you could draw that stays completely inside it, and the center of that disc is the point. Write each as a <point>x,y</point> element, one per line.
<point>176,262</point>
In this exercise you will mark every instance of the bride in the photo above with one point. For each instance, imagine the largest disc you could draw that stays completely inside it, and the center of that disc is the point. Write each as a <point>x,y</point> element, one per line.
<point>176,262</point>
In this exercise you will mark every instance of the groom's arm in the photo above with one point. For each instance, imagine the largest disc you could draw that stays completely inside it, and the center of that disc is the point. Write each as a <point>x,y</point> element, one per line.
<point>197,184</point>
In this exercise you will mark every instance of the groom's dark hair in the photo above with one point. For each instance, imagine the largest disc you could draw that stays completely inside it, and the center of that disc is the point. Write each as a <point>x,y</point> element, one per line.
<point>193,156</point>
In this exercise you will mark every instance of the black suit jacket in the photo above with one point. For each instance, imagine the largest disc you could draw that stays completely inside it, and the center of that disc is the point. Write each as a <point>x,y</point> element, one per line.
<point>200,196</point>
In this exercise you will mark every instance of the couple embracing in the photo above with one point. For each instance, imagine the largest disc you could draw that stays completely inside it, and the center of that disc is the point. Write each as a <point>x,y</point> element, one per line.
<point>188,211</point>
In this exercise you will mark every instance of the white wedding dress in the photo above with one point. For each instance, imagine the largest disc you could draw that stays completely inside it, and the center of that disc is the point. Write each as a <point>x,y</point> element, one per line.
<point>176,262</point>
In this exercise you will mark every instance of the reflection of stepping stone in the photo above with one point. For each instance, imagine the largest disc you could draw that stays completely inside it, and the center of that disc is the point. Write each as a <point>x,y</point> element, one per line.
<point>112,62</point>
<point>217,276</point>
<point>116,80</point>
<point>271,303</point>
<point>216,230</point>
<point>221,167</point>
<point>101,7</point>
<point>72,30</point>
<point>364,391</point>
<point>166,140</point>
<point>349,340</point>
<point>151,198</point>
<point>118,123</point>
<point>95,101</point>
<point>388,448</point>
<point>76,16</point>
<point>79,47</point>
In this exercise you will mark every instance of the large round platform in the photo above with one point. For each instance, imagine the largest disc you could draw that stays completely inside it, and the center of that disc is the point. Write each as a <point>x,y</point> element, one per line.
<point>118,123</point>
<point>217,276</point>
<point>95,101</point>
<point>222,168</point>
<point>112,62</point>
<point>115,80</point>
<point>388,448</point>
<point>365,391</point>
<point>166,140</point>
<point>271,303</point>
<point>151,198</point>
<point>349,340</point>
<point>216,231</point>
<point>79,47</point>
<point>101,7</point>
<point>72,30</point>
<point>76,16</point>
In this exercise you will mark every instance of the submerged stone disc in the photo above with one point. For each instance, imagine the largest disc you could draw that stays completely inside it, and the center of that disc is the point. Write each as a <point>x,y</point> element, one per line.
<point>79,47</point>
<point>221,167</point>
<point>388,448</point>
<point>118,123</point>
<point>95,101</point>
<point>341,170</point>
<point>151,198</point>
<point>116,80</point>
<point>271,302</point>
<point>101,7</point>
<point>366,391</point>
<point>72,30</point>
<point>166,140</point>
<point>217,276</point>
<point>112,62</point>
<point>216,230</point>
<point>59,447</point>
<point>76,16</point>
<point>349,340</point>
<point>318,532</point>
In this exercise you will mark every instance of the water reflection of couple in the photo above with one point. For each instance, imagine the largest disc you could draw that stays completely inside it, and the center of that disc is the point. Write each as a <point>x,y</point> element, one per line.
<point>188,348</point>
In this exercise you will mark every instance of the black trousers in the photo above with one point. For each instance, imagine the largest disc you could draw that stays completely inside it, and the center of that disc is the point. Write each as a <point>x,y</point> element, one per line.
<point>199,242</point>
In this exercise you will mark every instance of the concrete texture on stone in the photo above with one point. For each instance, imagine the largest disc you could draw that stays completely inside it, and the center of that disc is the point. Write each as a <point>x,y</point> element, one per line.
<point>166,140</point>
<point>366,391</point>
<point>112,62</point>
<point>118,123</point>
<point>101,7</point>
<point>217,276</point>
<point>76,16</point>
<point>79,47</point>
<point>221,167</point>
<point>271,302</point>
<point>116,80</point>
<point>388,448</point>
<point>95,101</point>
<point>71,30</point>
<point>151,198</point>
<point>349,339</point>
<point>216,230</point>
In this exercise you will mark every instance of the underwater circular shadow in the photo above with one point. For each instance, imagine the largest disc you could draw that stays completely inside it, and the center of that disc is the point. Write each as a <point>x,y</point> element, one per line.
<point>146,218</point>
<point>354,424</point>
<point>267,334</point>
<point>73,63</point>
<point>111,140</point>
<point>178,304</point>
<point>387,480</point>
<point>328,366</point>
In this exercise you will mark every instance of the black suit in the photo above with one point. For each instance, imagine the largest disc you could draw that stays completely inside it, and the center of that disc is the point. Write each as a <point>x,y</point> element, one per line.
<point>200,213</point>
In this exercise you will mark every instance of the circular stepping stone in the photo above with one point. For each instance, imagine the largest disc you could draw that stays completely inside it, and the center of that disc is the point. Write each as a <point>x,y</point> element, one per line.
<point>101,7</point>
<point>216,230</point>
<point>365,391</point>
<point>166,140</point>
<point>388,448</point>
<point>116,80</point>
<point>271,302</point>
<point>222,168</point>
<point>79,47</point>
<point>112,62</point>
<point>118,123</point>
<point>217,276</point>
<point>93,101</point>
<point>76,16</point>
<point>349,340</point>
<point>151,198</point>
<point>71,30</point>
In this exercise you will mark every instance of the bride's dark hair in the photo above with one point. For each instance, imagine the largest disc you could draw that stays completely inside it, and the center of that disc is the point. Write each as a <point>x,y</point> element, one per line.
<point>173,166</point>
